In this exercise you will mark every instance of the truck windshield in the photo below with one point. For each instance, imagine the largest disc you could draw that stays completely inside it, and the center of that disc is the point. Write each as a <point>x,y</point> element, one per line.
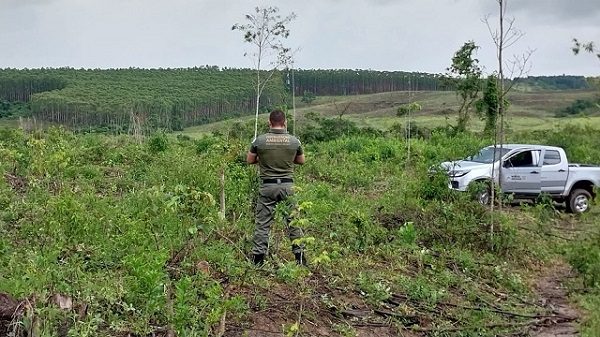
<point>486,155</point>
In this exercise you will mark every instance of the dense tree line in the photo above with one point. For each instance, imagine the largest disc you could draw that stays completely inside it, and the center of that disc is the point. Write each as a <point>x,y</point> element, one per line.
<point>158,98</point>
<point>359,82</point>
<point>175,98</point>
<point>19,85</point>
<point>563,82</point>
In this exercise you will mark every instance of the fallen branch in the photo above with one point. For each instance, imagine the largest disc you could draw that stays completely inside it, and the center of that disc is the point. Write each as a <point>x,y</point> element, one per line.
<point>498,311</point>
<point>299,321</point>
<point>530,323</point>
<point>221,330</point>
<point>371,324</point>
<point>503,312</point>
<point>242,254</point>
<point>356,313</point>
<point>269,332</point>
<point>487,326</point>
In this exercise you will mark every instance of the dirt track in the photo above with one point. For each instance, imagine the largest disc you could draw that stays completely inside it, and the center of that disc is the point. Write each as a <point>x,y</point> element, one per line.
<point>554,296</point>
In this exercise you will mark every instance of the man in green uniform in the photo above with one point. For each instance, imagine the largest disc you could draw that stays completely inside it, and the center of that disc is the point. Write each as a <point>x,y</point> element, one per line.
<point>275,152</point>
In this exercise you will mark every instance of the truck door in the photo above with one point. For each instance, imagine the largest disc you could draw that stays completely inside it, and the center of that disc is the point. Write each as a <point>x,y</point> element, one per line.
<point>521,173</point>
<point>555,171</point>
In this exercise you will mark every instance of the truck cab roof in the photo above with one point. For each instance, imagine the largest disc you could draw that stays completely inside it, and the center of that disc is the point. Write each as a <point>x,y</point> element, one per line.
<point>528,146</point>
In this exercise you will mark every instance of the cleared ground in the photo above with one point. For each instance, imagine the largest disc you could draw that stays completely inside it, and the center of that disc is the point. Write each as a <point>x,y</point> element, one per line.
<point>527,111</point>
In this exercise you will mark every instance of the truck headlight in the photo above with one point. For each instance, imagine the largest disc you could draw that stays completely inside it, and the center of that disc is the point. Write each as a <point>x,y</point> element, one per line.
<point>458,173</point>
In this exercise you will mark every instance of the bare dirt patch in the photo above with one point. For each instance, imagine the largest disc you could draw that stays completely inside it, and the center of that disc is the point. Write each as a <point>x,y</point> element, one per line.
<point>553,296</point>
<point>325,312</point>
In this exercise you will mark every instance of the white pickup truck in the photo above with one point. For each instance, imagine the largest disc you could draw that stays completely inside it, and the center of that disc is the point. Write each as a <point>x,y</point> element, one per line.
<point>528,171</point>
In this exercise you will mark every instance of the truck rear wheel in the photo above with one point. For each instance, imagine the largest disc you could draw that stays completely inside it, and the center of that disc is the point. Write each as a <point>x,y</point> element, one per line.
<point>579,201</point>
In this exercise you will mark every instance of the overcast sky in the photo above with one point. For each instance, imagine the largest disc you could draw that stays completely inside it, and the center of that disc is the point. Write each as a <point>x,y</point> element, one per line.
<point>411,35</point>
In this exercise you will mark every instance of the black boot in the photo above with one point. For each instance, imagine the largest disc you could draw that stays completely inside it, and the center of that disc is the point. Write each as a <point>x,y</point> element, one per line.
<point>258,259</point>
<point>301,259</point>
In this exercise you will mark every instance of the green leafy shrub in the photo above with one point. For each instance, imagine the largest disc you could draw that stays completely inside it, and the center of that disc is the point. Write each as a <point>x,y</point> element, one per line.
<point>374,290</point>
<point>308,97</point>
<point>124,228</point>
<point>578,107</point>
<point>158,143</point>
<point>324,129</point>
<point>585,257</point>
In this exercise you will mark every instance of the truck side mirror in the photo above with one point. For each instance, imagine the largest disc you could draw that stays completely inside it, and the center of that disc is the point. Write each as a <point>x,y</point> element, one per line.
<point>507,164</point>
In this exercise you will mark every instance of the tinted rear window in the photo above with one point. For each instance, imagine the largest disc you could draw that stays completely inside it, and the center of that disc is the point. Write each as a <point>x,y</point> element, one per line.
<point>551,157</point>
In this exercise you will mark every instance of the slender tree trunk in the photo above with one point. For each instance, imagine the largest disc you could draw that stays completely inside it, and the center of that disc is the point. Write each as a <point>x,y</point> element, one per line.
<point>222,199</point>
<point>258,91</point>
<point>293,101</point>
<point>502,93</point>
<point>500,129</point>
<point>408,134</point>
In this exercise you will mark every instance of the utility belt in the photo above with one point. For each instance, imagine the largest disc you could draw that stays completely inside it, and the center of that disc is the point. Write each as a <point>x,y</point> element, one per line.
<point>277,180</point>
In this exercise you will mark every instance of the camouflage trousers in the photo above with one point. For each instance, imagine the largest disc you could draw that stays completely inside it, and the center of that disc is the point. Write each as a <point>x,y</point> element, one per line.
<point>269,196</point>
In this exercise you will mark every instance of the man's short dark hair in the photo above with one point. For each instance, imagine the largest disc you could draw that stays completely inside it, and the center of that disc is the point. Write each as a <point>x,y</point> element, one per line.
<point>277,118</point>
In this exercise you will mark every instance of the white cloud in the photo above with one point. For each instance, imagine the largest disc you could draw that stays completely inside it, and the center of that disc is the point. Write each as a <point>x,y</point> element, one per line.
<point>378,34</point>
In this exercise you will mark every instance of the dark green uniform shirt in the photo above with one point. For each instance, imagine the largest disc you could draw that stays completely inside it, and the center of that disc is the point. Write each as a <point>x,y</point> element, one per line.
<point>276,152</point>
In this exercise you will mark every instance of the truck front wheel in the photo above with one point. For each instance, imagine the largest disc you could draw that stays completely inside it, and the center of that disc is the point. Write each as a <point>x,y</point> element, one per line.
<point>484,196</point>
<point>579,201</point>
<point>481,191</point>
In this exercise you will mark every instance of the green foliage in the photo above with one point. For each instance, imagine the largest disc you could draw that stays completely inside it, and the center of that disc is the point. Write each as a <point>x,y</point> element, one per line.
<point>265,28</point>
<point>19,85</point>
<point>465,76</point>
<point>416,131</point>
<point>488,105</point>
<point>308,97</point>
<point>408,108</point>
<point>585,257</point>
<point>408,233</point>
<point>421,289</point>
<point>323,129</point>
<point>344,82</point>
<point>582,145</point>
<point>204,144</point>
<point>591,326</point>
<point>133,231</point>
<point>158,143</point>
<point>561,82</point>
<point>291,273</point>
<point>110,100</point>
<point>375,291</point>
<point>580,106</point>
<point>588,47</point>
<point>13,109</point>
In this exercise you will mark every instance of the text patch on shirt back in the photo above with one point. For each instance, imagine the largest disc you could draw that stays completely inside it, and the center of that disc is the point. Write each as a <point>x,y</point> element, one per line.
<point>275,140</point>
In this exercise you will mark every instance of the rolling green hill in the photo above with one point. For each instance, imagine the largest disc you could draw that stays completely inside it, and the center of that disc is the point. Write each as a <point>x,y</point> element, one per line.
<point>171,99</point>
<point>528,110</point>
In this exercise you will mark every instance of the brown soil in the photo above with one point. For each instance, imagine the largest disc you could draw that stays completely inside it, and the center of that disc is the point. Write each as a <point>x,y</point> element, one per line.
<point>282,305</point>
<point>8,309</point>
<point>330,311</point>
<point>554,296</point>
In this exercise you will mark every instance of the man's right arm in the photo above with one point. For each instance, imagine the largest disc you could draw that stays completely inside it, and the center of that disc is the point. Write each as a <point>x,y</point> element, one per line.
<point>299,159</point>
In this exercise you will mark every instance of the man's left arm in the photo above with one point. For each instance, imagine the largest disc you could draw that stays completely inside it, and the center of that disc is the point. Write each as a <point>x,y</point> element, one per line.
<point>251,158</point>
